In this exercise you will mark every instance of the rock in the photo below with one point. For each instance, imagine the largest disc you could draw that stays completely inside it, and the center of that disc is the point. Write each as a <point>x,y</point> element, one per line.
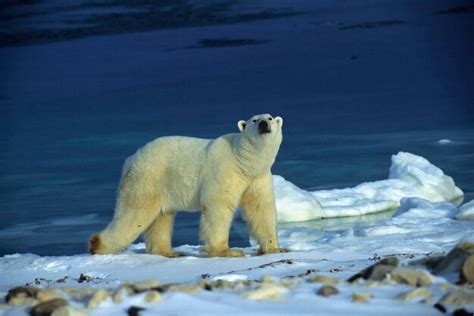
<point>322,279</point>
<point>69,311</point>
<point>455,259</point>
<point>361,297</point>
<point>458,296</point>
<point>413,277</point>
<point>122,291</point>
<point>152,296</point>
<point>146,285</point>
<point>420,292</point>
<point>440,307</point>
<point>48,307</point>
<point>462,312</point>
<point>467,271</point>
<point>184,288</point>
<point>290,282</point>
<point>22,295</point>
<point>97,298</point>
<point>327,290</point>
<point>270,279</point>
<point>134,310</point>
<point>267,291</point>
<point>376,271</point>
<point>49,294</point>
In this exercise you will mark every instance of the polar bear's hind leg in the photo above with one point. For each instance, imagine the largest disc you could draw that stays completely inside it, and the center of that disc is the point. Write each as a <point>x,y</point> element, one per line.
<point>137,207</point>
<point>159,235</point>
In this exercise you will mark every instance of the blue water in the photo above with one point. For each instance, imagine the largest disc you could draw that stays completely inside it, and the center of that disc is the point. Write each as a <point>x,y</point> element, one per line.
<point>355,83</point>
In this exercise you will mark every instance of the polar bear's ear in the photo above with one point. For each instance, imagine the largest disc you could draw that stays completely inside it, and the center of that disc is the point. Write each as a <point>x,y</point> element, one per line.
<point>279,120</point>
<point>241,124</point>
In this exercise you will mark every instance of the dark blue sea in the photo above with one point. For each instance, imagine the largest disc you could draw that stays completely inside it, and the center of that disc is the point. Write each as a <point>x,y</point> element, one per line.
<point>83,84</point>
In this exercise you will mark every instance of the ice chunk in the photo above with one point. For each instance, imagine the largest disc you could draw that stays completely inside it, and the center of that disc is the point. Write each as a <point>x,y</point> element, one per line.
<point>466,212</point>
<point>444,141</point>
<point>409,176</point>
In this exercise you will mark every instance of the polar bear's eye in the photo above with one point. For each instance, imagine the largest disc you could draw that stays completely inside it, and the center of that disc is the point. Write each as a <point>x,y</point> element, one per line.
<point>255,121</point>
<point>269,118</point>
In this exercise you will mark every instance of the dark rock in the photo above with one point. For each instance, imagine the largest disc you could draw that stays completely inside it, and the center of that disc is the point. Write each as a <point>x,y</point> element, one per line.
<point>455,259</point>
<point>378,271</point>
<point>25,291</point>
<point>327,290</point>
<point>48,307</point>
<point>462,312</point>
<point>440,307</point>
<point>134,310</point>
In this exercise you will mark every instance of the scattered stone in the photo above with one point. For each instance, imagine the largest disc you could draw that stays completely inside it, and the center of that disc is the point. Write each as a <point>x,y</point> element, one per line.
<point>455,259</point>
<point>429,262</point>
<point>267,291</point>
<point>361,297</point>
<point>134,310</point>
<point>440,307</point>
<point>467,272</point>
<point>48,307</point>
<point>84,278</point>
<point>79,294</point>
<point>413,277</point>
<point>458,296</point>
<point>376,271</point>
<point>270,279</point>
<point>462,312</point>
<point>97,298</point>
<point>290,282</point>
<point>69,311</point>
<point>420,292</point>
<point>22,295</point>
<point>222,284</point>
<point>49,294</point>
<point>322,279</point>
<point>152,296</point>
<point>184,288</point>
<point>327,290</point>
<point>146,285</point>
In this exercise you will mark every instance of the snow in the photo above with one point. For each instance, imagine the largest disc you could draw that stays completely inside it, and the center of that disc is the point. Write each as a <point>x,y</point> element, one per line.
<point>409,176</point>
<point>418,228</point>
<point>466,212</point>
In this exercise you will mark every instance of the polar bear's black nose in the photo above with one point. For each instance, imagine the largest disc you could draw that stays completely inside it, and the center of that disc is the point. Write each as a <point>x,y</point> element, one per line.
<point>263,127</point>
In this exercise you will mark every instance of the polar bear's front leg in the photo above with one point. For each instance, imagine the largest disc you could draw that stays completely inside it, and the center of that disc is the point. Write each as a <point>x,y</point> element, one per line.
<point>258,203</point>
<point>214,231</point>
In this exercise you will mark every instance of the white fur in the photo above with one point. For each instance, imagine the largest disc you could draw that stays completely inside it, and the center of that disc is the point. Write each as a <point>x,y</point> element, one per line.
<point>215,176</point>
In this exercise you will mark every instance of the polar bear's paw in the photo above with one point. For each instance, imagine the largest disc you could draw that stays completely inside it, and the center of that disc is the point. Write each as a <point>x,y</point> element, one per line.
<point>171,254</point>
<point>273,250</point>
<point>227,253</point>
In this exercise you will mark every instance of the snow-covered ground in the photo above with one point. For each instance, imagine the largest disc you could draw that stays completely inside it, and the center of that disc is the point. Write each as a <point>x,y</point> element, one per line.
<point>418,229</point>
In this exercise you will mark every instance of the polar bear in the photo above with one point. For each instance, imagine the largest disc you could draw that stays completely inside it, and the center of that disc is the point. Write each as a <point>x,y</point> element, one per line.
<point>215,176</point>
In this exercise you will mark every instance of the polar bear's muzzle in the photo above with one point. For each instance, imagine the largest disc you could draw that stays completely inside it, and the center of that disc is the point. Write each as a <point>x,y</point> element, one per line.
<point>263,127</point>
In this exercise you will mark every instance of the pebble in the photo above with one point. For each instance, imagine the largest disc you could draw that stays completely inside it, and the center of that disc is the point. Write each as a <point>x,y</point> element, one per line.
<point>420,292</point>
<point>98,297</point>
<point>413,277</point>
<point>458,296</point>
<point>267,291</point>
<point>327,290</point>
<point>152,296</point>
<point>49,294</point>
<point>361,297</point>
<point>467,272</point>
<point>322,279</point>
<point>48,307</point>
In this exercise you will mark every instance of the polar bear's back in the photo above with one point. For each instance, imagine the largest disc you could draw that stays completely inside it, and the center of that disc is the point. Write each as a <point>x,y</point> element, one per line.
<point>172,166</point>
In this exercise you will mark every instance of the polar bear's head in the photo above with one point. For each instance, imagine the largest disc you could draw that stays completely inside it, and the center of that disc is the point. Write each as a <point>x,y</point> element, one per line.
<point>262,128</point>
